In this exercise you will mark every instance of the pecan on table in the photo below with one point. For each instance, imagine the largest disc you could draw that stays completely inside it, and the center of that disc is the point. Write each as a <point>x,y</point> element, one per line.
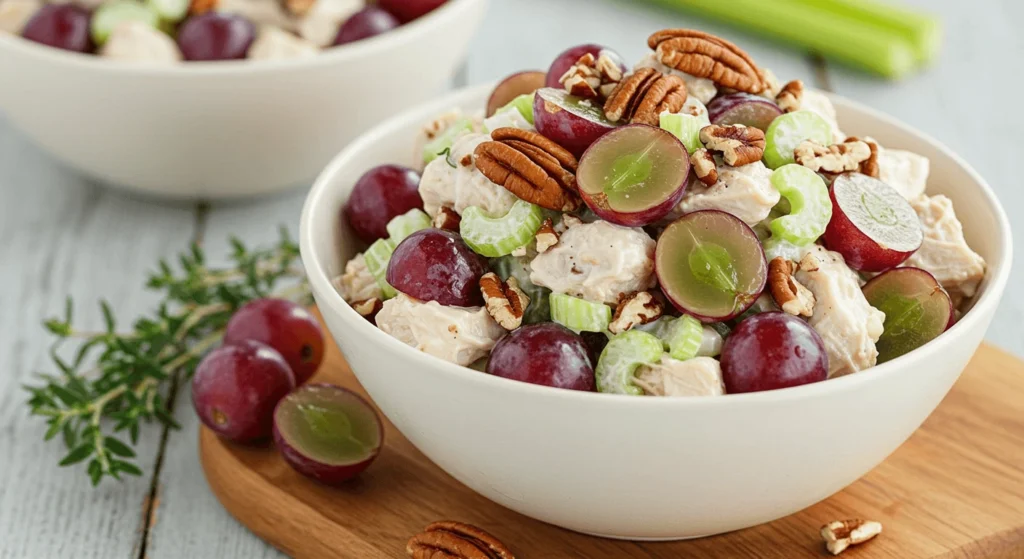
<point>707,56</point>
<point>447,539</point>
<point>739,145</point>
<point>530,166</point>
<point>642,96</point>
<point>841,534</point>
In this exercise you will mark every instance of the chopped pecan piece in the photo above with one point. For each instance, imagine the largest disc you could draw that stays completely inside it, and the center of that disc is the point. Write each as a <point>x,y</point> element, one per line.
<point>633,309</point>
<point>841,534</point>
<point>791,96</point>
<point>739,145</point>
<point>368,308</point>
<point>704,166</point>
<point>546,236</point>
<point>298,7</point>
<point>707,56</point>
<point>530,166</point>
<point>642,96</point>
<point>836,158</point>
<point>447,218</point>
<point>447,539</point>
<point>869,166</point>
<point>504,301</point>
<point>790,295</point>
<point>201,6</point>
<point>569,220</point>
<point>591,77</point>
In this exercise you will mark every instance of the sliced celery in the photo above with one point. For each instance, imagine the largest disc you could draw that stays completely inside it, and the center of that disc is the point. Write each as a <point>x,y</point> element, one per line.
<point>683,336</point>
<point>687,123</point>
<point>170,10</point>
<point>579,315</point>
<point>524,103</point>
<point>787,131</point>
<point>377,258</point>
<point>498,236</point>
<point>775,246</point>
<point>109,15</point>
<point>401,226</point>
<point>620,359</point>
<point>810,208</point>
<point>445,139</point>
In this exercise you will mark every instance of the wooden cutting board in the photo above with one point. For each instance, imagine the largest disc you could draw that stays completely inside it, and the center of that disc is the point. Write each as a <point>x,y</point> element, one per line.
<point>954,490</point>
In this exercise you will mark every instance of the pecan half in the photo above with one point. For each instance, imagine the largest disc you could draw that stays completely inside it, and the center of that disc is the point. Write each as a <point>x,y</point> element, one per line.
<point>869,166</point>
<point>546,236</point>
<point>739,145</point>
<point>635,308</point>
<point>592,77</point>
<point>447,218</point>
<point>530,166</point>
<point>791,96</point>
<point>790,295</point>
<point>707,56</point>
<point>836,158</point>
<point>504,301</point>
<point>704,166</point>
<point>642,96</point>
<point>447,539</point>
<point>841,534</point>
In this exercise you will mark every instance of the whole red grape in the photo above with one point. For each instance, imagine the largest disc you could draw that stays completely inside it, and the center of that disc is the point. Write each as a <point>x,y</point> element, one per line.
<point>379,195</point>
<point>368,22</point>
<point>435,265</point>
<point>772,350</point>
<point>285,326</point>
<point>408,10</point>
<point>237,386</point>
<point>547,353</point>
<point>65,26</point>
<point>216,36</point>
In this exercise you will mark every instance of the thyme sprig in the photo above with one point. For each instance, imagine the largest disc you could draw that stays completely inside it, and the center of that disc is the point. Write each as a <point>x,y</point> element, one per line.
<point>111,382</point>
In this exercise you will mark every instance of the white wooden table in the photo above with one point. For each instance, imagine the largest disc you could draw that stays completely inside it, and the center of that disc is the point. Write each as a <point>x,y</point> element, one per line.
<point>61,234</point>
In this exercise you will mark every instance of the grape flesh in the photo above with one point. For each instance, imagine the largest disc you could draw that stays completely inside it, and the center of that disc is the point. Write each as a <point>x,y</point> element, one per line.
<point>64,26</point>
<point>235,389</point>
<point>547,354</point>
<point>872,225</point>
<point>408,10</point>
<point>743,108</point>
<point>435,265</point>
<point>285,326</point>
<point>368,22</point>
<point>381,194</point>
<point>216,36</point>
<point>772,350</point>
<point>916,309</point>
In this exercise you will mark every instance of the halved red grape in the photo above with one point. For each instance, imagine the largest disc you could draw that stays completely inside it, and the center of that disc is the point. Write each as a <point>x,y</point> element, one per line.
<point>568,57</point>
<point>743,108</point>
<point>772,350</point>
<point>569,121</point>
<point>382,193</point>
<point>408,10</point>
<point>916,309</point>
<point>872,225</point>
<point>633,175</point>
<point>710,265</point>
<point>547,353</point>
<point>435,265</point>
<point>327,433</point>
<point>513,86</point>
<point>285,326</point>
<point>64,26</point>
<point>216,36</point>
<point>368,22</point>
<point>235,389</point>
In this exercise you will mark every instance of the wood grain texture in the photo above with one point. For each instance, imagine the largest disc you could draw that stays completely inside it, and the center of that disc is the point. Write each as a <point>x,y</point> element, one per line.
<point>956,488</point>
<point>61,235</point>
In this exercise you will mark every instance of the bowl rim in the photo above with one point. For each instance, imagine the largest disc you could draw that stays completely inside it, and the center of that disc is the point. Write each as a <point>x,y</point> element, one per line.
<point>328,296</point>
<point>399,37</point>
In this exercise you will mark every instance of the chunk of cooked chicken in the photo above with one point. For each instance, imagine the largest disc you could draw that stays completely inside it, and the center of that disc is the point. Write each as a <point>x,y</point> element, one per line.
<point>700,376</point>
<point>944,252</point>
<point>463,185</point>
<point>745,192</point>
<point>460,335</point>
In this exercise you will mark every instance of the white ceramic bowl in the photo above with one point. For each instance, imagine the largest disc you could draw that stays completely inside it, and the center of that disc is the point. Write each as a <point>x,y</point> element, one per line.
<point>225,129</point>
<point>650,468</point>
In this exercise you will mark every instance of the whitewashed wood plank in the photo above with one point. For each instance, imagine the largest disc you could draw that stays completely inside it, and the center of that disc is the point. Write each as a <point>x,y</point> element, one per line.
<point>970,100</point>
<point>61,235</point>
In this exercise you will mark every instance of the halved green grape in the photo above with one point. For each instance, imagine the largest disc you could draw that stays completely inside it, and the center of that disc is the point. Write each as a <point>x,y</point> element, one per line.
<point>519,267</point>
<point>916,309</point>
<point>109,15</point>
<point>401,226</point>
<point>170,10</point>
<point>377,257</point>
<point>787,131</point>
<point>498,236</point>
<point>579,315</point>
<point>810,208</point>
<point>616,368</point>
<point>686,124</point>
<point>444,140</point>
<point>683,336</point>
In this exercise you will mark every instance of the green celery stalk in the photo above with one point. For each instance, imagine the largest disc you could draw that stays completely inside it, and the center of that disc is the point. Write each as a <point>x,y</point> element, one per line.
<point>810,25</point>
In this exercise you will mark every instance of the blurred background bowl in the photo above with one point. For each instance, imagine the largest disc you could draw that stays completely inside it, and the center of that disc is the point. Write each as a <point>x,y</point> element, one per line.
<point>216,130</point>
